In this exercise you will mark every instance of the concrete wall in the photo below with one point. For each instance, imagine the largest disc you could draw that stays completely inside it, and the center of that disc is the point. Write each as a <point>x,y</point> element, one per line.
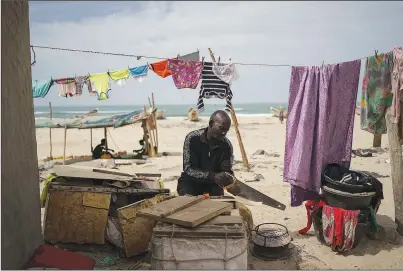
<point>20,207</point>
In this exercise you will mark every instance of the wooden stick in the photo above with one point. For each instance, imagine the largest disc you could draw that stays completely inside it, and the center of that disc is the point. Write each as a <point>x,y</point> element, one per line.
<point>147,128</point>
<point>155,121</point>
<point>235,120</point>
<point>91,140</point>
<point>64,148</point>
<point>151,139</point>
<point>149,102</point>
<point>156,129</point>
<point>105,136</point>
<point>395,150</point>
<point>377,141</point>
<point>50,131</point>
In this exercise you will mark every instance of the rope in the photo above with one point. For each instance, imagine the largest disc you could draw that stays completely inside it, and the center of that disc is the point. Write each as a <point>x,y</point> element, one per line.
<point>138,57</point>
<point>113,140</point>
<point>225,248</point>
<point>172,247</point>
<point>33,51</point>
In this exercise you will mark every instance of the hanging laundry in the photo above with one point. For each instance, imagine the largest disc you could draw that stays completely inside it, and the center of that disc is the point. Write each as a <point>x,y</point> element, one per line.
<point>311,206</point>
<point>100,84</point>
<point>339,227</point>
<point>320,124</point>
<point>161,69</point>
<point>120,76</point>
<point>67,87</point>
<point>186,74</point>
<point>80,81</point>
<point>139,73</point>
<point>213,87</point>
<point>376,95</point>
<point>226,72</point>
<point>191,57</point>
<point>397,82</point>
<point>41,87</point>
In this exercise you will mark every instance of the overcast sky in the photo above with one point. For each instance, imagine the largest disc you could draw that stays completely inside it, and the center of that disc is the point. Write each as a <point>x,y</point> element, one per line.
<point>296,33</point>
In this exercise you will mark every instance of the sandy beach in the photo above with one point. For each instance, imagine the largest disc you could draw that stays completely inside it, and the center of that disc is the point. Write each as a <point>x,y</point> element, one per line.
<point>265,133</point>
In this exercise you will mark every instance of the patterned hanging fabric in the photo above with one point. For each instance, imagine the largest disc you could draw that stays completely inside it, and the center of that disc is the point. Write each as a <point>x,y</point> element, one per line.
<point>376,95</point>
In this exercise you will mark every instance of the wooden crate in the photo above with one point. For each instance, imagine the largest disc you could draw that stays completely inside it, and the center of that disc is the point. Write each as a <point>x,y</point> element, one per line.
<point>137,231</point>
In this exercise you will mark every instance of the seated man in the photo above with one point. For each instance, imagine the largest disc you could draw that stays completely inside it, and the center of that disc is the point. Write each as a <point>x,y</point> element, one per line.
<point>140,152</point>
<point>207,156</point>
<point>100,149</point>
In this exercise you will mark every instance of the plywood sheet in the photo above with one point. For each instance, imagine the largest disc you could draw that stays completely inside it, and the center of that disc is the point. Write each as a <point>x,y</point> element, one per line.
<point>170,207</point>
<point>137,231</point>
<point>85,173</point>
<point>198,213</point>
<point>69,221</point>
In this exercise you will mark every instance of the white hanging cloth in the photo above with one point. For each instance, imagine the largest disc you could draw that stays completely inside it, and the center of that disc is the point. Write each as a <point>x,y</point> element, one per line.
<point>226,72</point>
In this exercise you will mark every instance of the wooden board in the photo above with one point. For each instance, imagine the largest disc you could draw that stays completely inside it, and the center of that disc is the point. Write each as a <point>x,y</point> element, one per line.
<point>68,220</point>
<point>137,231</point>
<point>198,213</point>
<point>170,207</point>
<point>225,220</point>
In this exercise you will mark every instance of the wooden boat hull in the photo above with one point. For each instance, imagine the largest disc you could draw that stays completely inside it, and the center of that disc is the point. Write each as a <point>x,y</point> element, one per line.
<point>276,112</point>
<point>193,115</point>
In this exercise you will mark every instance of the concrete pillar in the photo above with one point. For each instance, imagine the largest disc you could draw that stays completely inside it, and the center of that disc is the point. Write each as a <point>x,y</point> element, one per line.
<point>21,230</point>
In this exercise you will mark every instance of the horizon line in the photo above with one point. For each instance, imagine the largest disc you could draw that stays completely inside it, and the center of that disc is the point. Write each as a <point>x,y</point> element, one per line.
<point>161,104</point>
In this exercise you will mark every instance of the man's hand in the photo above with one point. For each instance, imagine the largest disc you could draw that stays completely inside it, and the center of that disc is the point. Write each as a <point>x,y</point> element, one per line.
<point>222,179</point>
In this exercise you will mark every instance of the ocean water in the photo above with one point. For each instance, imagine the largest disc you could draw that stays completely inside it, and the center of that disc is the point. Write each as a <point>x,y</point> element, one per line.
<point>63,112</point>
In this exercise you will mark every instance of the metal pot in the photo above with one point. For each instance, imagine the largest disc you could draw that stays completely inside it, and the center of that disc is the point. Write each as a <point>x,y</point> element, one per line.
<point>271,241</point>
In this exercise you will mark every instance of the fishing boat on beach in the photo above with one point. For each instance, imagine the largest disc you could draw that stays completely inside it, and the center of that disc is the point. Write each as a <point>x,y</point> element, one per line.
<point>161,114</point>
<point>193,115</point>
<point>276,112</point>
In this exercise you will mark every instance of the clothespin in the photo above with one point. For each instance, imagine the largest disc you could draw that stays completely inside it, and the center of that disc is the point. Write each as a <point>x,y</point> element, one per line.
<point>138,57</point>
<point>230,59</point>
<point>177,57</point>
<point>323,63</point>
<point>376,53</point>
<point>219,60</point>
<point>203,59</point>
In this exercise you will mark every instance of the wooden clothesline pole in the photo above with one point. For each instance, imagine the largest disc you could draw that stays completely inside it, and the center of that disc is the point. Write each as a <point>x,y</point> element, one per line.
<point>65,142</point>
<point>377,141</point>
<point>235,120</point>
<point>50,131</point>
<point>155,122</point>
<point>396,164</point>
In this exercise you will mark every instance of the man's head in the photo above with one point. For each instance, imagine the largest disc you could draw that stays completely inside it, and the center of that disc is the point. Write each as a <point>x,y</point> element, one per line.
<point>219,124</point>
<point>141,142</point>
<point>103,141</point>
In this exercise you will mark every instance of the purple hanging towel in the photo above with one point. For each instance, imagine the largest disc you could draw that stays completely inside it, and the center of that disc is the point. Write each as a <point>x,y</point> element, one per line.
<point>320,124</point>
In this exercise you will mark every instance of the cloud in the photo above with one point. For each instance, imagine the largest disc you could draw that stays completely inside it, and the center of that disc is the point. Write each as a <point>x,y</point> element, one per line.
<point>298,33</point>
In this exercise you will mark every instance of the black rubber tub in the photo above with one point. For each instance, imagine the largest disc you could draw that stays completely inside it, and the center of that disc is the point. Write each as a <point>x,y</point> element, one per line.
<point>347,201</point>
<point>345,187</point>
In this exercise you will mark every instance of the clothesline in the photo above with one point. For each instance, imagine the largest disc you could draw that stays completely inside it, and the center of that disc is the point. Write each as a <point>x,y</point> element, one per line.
<point>156,57</point>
